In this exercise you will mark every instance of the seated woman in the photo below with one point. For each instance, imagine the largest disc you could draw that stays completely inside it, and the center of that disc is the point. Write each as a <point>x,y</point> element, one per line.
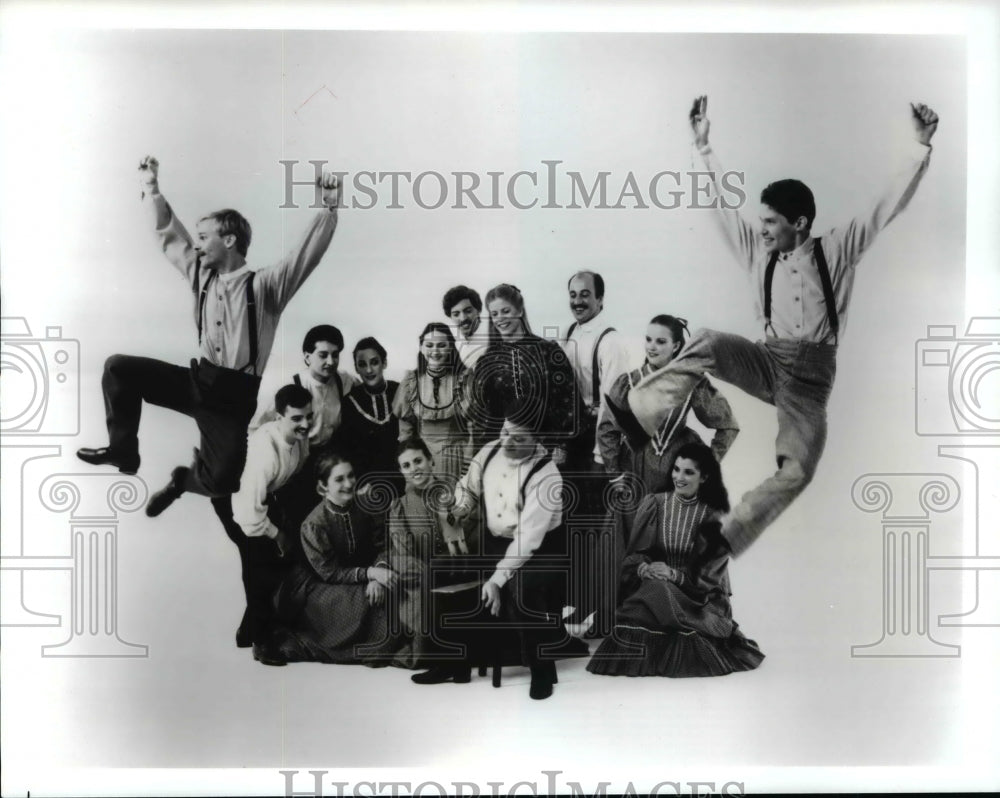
<point>333,604</point>
<point>432,401</point>
<point>626,449</point>
<point>677,620</point>
<point>521,368</point>
<point>423,538</point>
<point>369,432</point>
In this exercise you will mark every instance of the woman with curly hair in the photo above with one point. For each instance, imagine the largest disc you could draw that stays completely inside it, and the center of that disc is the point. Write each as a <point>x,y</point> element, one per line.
<point>676,619</point>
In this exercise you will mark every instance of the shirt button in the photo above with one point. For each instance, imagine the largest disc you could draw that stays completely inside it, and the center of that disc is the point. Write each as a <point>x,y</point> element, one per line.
<point>218,349</point>
<point>796,299</point>
<point>795,271</point>
<point>218,324</point>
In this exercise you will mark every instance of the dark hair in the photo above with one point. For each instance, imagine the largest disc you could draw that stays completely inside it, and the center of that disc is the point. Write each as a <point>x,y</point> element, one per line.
<point>598,282</point>
<point>792,199</point>
<point>291,396</point>
<point>444,329</point>
<point>712,491</point>
<point>232,223</point>
<point>678,327</point>
<point>457,294</point>
<point>414,442</point>
<point>508,293</point>
<point>369,343</point>
<point>323,332</point>
<point>329,459</point>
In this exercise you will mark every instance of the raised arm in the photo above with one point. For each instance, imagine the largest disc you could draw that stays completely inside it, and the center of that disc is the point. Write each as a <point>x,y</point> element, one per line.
<point>175,241</point>
<point>282,280</point>
<point>740,234</point>
<point>854,238</point>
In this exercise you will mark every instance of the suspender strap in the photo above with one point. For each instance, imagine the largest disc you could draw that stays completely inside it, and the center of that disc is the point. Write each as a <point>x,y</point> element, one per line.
<point>595,386</point>
<point>768,279</point>
<point>252,318</point>
<point>544,461</point>
<point>825,282</point>
<point>251,314</point>
<point>828,297</point>
<point>569,332</point>
<point>297,380</point>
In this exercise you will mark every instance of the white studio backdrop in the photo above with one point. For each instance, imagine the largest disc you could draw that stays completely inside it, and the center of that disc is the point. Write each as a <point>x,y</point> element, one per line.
<point>222,108</point>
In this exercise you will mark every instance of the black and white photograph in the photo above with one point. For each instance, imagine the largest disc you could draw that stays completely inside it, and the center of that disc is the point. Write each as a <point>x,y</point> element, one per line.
<point>422,399</point>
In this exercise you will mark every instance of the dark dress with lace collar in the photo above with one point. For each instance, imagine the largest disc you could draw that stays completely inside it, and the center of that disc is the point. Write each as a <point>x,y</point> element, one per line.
<point>680,627</point>
<point>326,615</point>
<point>369,433</point>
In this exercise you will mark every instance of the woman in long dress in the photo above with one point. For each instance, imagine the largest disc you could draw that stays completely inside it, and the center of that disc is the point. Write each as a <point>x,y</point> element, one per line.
<point>334,603</point>
<point>676,619</point>
<point>432,402</point>
<point>626,449</point>
<point>423,546</point>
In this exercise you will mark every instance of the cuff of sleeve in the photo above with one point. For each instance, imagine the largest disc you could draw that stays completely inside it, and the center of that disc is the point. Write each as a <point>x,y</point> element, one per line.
<point>704,150</point>
<point>271,530</point>
<point>499,578</point>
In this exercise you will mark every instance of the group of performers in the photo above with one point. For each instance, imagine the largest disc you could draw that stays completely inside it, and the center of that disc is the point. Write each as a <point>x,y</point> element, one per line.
<point>472,510</point>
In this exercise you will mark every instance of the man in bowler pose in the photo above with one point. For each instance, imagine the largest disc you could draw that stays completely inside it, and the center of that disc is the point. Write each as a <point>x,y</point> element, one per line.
<point>236,312</point>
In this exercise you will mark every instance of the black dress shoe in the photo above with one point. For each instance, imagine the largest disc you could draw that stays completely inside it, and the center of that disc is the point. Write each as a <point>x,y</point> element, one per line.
<point>461,674</point>
<point>127,464</point>
<point>268,654</point>
<point>243,638</point>
<point>542,678</point>
<point>168,494</point>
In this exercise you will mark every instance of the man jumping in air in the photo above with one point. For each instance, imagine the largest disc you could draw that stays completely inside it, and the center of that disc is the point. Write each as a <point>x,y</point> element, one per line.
<point>236,313</point>
<point>802,290</point>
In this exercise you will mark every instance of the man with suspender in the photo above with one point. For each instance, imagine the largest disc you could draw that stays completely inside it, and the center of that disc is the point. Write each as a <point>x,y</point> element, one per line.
<point>599,356</point>
<point>516,487</point>
<point>803,288</point>
<point>236,314</point>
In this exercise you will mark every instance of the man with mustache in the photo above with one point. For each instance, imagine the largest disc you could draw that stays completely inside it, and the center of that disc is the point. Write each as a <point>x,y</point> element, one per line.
<point>463,306</point>
<point>599,356</point>
<point>255,520</point>
<point>802,288</point>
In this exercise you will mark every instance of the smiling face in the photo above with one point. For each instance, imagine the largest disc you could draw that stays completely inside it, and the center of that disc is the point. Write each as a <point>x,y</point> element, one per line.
<point>436,349</point>
<point>295,422</point>
<point>779,234</point>
<point>506,318</point>
<point>687,478</point>
<point>661,347</point>
<point>465,317</point>
<point>417,468</point>
<point>213,249</point>
<point>583,302</point>
<point>323,361</point>
<point>370,367</point>
<point>339,486</point>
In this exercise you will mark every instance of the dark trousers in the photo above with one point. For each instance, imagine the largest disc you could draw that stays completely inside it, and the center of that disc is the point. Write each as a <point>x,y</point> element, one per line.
<point>530,602</point>
<point>590,536</point>
<point>261,568</point>
<point>221,401</point>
